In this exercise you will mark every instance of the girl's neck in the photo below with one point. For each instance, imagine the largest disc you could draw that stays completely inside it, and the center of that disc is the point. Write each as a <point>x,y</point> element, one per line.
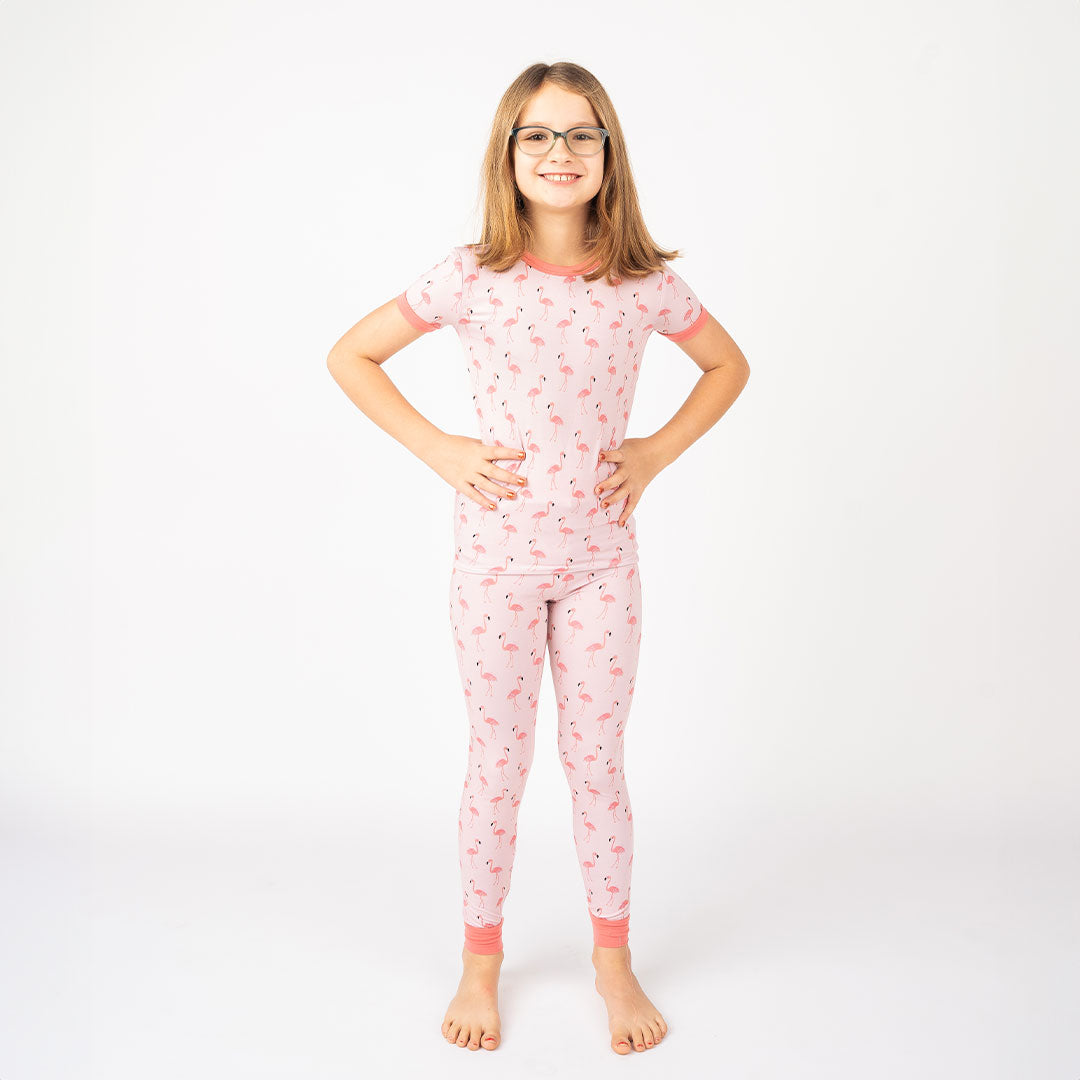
<point>558,241</point>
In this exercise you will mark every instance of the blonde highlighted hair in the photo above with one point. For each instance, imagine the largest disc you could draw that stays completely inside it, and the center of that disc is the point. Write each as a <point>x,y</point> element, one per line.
<point>615,233</point>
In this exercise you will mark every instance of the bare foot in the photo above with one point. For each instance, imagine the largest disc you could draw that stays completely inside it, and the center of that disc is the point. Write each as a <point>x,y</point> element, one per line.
<point>633,1019</point>
<point>472,1019</point>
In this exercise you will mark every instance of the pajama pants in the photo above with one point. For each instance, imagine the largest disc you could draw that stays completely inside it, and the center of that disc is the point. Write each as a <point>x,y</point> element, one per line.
<point>590,624</point>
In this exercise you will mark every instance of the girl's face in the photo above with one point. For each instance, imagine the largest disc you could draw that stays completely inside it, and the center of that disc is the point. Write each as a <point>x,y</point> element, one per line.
<point>553,107</point>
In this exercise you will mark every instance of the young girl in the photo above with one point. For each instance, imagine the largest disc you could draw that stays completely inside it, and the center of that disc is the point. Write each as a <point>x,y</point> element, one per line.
<point>553,308</point>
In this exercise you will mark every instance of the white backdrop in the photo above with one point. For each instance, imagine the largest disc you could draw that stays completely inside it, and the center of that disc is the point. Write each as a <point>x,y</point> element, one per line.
<point>229,697</point>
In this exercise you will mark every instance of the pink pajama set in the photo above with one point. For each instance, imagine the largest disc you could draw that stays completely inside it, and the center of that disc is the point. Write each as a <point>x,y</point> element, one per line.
<point>553,362</point>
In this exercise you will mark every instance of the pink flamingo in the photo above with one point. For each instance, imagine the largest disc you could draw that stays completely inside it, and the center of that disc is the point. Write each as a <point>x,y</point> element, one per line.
<point>592,343</point>
<point>583,697</point>
<point>509,648</point>
<point>614,670</point>
<point>535,340</point>
<point>539,516</point>
<point>616,849</point>
<point>604,717</point>
<point>479,630</point>
<point>606,598</point>
<point>488,676</point>
<point>592,649</point>
<point>491,721</point>
<point>556,421</point>
<point>514,694</point>
<point>565,369</point>
<point>554,470</point>
<point>510,323</point>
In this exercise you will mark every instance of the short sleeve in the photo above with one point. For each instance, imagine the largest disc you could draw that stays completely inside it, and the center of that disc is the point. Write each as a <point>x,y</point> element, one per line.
<point>433,300</point>
<point>681,313</point>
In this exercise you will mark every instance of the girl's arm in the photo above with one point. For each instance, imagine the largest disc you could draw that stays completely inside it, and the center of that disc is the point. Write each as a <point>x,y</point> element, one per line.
<point>725,374</point>
<point>468,465</point>
<point>356,364</point>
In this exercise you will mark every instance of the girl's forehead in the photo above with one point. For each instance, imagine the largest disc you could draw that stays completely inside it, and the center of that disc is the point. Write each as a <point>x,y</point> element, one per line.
<point>549,122</point>
<point>552,103</point>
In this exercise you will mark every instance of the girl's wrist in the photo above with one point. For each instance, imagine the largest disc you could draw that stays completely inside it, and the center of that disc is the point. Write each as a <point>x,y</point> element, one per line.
<point>660,449</point>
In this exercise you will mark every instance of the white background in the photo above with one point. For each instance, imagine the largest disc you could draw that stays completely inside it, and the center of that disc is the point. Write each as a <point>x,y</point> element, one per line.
<point>233,737</point>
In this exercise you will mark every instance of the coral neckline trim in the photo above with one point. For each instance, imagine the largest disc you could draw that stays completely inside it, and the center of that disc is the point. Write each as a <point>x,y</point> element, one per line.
<point>553,268</point>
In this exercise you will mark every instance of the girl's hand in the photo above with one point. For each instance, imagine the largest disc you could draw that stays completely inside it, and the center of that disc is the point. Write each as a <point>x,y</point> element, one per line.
<point>468,466</point>
<point>638,466</point>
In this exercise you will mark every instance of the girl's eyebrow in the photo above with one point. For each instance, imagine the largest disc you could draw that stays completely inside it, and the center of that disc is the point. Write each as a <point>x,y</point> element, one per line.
<point>540,123</point>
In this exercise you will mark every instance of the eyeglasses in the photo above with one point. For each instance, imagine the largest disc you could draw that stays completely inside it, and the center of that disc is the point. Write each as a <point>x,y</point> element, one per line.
<point>579,140</point>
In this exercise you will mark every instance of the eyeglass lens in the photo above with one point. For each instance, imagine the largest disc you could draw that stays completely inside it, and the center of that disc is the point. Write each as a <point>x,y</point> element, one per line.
<point>582,140</point>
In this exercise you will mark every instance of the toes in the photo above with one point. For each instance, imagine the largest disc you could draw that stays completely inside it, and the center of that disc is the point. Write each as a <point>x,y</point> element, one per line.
<point>639,1040</point>
<point>653,1027</point>
<point>619,1044</point>
<point>490,1041</point>
<point>474,1043</point>
<point>463,1038</point>
<point>452,1030</point>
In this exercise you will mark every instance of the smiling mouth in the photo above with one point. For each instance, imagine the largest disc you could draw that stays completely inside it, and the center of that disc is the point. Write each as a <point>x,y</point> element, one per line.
<point>551,177</point>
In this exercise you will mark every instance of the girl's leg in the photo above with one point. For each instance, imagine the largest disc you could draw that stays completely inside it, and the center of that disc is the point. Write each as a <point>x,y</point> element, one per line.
<point>594,633</point>
<point>500,630</point>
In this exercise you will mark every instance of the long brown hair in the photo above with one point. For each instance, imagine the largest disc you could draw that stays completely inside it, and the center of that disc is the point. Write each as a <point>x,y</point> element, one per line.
<point>615,232</point>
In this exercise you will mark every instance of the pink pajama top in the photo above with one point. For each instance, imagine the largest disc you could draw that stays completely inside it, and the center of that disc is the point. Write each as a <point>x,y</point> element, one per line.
<point>553,363</point>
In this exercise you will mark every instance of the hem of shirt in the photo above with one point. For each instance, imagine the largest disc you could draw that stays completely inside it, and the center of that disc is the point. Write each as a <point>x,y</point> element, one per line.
<point>406,309</point>
<point>542,571</point>
<point>691,330</point>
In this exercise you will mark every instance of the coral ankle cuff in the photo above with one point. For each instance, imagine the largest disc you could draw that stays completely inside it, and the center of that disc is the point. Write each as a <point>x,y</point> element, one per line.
<point>483,939</point>
<point>610,933</point>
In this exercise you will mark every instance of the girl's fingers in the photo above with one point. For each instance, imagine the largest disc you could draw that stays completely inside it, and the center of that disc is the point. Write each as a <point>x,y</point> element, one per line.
<point>627,511</point>
<point>482,497</point>
<point>609,498</point>
<point>493,487</point>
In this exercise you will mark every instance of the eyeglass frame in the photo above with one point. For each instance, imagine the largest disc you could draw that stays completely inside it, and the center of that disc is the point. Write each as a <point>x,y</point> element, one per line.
<point>566,142</point>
